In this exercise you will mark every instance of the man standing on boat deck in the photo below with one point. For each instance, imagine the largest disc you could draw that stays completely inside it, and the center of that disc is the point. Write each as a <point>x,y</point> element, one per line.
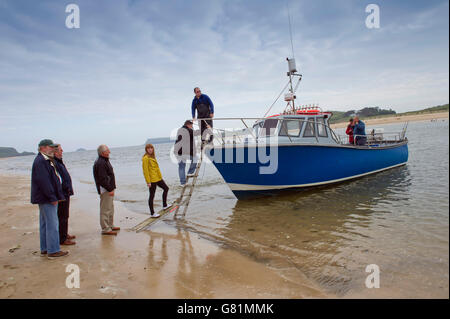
<point>46,191</point>
<point>205,109</point>
<point>106,184</point>
<point>63,207</point>
<point>359,131</point>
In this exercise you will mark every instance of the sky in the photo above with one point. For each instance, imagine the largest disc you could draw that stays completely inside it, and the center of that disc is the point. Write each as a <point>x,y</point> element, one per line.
<point>128,73</point>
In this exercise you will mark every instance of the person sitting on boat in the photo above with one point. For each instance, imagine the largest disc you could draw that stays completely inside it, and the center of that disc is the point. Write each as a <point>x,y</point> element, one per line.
<point>205,110</point>
<point>349,131</point>
<point>185,150</point>
<point>359,131</point>
<point>153,177</point>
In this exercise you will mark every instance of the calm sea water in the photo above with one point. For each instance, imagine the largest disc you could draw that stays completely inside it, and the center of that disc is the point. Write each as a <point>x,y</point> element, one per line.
<point>397,219</point>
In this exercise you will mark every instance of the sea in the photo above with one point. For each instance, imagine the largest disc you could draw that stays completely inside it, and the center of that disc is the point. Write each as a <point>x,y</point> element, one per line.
<point>397,220</point>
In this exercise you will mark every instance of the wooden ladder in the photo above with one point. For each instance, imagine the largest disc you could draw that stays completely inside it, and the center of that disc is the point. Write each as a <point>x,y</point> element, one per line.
<point>190,185</point>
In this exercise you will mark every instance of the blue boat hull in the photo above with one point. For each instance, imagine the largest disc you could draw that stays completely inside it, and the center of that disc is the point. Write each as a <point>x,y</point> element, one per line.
<point>305,166</point>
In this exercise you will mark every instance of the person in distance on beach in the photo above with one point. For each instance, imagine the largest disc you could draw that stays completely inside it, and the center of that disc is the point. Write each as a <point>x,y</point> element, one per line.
<point>105,182</point>
<point>205,109</point>
<point>63,207</point>
<point>153,177</point>
<point>46,191</point>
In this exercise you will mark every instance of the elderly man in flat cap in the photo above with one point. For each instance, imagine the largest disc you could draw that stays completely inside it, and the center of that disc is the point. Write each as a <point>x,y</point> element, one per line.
<point>46,191</point>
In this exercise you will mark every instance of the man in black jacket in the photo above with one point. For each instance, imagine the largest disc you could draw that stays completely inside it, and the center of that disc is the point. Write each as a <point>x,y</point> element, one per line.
<point>46,191</point>
<point>106,184</point>
<point>63,207</point>
<point>185,150</point>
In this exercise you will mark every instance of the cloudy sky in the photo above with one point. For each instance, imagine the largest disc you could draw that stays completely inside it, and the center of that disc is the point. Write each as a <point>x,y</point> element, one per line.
<point>128,72</point>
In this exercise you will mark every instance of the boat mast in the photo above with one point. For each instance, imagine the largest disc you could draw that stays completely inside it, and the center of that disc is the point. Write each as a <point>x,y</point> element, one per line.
<point>290,96</point>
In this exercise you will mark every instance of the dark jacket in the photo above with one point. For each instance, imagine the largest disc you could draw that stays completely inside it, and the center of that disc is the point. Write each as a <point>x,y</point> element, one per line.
<point>104,174</point>
<point>203,105</point>
<point>65,176</point>
<point>185,143</point>
<point>349,132</point>
<point>45,184</point>
<point>359,129</point>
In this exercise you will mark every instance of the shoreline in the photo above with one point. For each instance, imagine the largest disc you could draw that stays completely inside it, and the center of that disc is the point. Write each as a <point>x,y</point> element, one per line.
<point>397,119</point>
<point>166,262</point>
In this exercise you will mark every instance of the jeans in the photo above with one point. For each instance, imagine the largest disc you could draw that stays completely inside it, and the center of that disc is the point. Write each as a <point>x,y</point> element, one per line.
<point>182,168</point>
<point>48,228</point>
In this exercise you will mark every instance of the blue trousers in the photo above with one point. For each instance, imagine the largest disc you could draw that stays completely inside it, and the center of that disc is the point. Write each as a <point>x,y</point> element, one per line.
<point>182,169</point>
<point>49,228</point>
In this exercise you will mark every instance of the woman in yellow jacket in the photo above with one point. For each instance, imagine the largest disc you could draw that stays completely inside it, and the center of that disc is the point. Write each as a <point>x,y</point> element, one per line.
<point>153,177</point>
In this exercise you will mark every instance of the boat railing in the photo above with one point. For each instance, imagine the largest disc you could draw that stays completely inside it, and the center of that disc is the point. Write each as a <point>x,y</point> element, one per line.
<point>250,129</point>
<point>375,139</point>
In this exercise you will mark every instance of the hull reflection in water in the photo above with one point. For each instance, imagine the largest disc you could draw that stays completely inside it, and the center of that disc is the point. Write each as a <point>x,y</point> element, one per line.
<point>328,235</point>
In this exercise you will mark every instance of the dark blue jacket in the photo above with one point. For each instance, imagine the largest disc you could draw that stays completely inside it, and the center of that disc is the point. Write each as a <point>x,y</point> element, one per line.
<point>359,129</point>
<point>203,99</point>
<point>45,184</point>
<point>65,176</point>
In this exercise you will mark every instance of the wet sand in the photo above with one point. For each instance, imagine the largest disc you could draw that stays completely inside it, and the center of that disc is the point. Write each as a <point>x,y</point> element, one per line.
<point>165,264</point>
<point>398,119</point>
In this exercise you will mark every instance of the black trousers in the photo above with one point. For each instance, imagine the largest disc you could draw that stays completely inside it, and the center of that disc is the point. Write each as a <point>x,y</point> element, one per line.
<point>152,190</point>
<point>361,140</point>
<point>203,128</point>
<point>63,218</point>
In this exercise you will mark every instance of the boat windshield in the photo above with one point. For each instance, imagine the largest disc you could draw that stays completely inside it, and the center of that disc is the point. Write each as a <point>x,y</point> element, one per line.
<point>292,128</point>
<point>269,127</point>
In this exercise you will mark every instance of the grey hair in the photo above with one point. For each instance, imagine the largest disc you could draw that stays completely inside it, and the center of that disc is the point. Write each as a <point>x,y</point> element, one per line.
<point>101,149</point>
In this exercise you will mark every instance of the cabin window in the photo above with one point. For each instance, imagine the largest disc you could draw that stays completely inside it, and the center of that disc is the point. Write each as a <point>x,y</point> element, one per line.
<point>269,127</point>
<point>321,128</point>
<point>310,129</point>
<point>291,127</point>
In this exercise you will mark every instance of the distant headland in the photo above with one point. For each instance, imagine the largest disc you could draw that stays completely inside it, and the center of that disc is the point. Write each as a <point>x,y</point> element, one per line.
<point>158,140</point>
<point>11,152</point>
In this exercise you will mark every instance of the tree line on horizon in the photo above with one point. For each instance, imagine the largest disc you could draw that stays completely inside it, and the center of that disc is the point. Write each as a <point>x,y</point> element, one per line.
<point>340,116</point>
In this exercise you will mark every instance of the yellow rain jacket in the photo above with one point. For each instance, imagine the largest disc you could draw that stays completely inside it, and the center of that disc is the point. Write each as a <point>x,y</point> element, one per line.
<point>151,170</point>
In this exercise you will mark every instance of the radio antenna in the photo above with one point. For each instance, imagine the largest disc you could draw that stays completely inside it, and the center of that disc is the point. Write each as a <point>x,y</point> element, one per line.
<point>290,29</point>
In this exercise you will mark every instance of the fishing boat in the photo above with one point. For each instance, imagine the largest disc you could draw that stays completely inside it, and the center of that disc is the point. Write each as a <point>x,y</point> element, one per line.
<point>297,149</point>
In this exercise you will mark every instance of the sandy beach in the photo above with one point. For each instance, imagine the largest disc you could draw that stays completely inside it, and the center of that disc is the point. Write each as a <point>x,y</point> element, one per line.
<point>172,264</point>
<point>398,119</point>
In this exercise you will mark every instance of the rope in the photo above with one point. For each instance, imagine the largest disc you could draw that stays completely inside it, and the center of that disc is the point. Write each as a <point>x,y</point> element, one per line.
<point>276,99</point>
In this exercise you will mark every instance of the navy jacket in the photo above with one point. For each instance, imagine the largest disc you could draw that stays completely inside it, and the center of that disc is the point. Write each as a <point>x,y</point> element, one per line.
<point>104,174</point>
<point>205,100</point>
<point>359,129</point>
<point>65,176</point>
<point>45,184</point>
